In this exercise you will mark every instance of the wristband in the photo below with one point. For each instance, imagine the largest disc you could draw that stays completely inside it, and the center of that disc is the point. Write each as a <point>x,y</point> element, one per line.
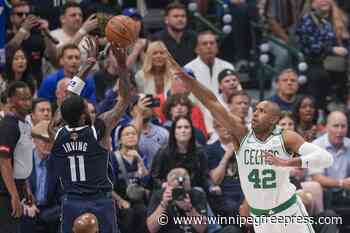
<point>82,31</point>
<point>76,85</point>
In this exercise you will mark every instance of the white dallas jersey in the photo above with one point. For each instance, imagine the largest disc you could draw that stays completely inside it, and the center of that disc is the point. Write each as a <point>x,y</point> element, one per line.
<point>264,186</point>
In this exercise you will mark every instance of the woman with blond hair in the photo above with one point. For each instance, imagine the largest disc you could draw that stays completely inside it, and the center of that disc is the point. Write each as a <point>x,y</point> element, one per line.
<point>325,42</point>
<point>155,75</point>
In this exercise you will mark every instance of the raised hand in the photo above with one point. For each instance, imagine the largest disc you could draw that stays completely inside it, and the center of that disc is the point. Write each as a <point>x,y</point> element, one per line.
<point>90,23</point>
<point>120,55</point>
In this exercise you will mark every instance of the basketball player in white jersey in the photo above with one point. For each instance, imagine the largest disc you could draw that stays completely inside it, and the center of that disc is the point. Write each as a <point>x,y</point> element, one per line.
<point>264,160</point>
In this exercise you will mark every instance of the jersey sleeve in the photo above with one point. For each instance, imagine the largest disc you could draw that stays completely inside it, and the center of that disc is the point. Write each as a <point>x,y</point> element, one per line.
<point>9,136</point>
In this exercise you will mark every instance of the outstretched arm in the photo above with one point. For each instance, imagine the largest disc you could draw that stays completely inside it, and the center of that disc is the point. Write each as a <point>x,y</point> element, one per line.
<point>312,156</point>
<point>112,116</point>
<point>234,124</point>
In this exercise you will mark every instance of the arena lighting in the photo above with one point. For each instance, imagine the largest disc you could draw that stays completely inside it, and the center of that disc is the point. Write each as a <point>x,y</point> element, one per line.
<point>227,18</point>
<point>302,66</point>
<point>192,6</point>
<point>227,29</point>
<point>264,58</point>
<point>302,79</point>
<point>264,48</point>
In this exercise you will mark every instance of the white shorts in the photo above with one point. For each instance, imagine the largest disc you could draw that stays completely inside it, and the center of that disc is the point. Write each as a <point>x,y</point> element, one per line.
<point>296,217</point>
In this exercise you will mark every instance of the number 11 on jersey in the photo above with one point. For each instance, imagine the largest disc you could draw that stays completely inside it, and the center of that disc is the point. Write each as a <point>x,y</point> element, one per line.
<point>74,168</point>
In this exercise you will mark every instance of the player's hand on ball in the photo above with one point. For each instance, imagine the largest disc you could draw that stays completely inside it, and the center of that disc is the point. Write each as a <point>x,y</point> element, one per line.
<point>273,160</point>
<point>120,55</point>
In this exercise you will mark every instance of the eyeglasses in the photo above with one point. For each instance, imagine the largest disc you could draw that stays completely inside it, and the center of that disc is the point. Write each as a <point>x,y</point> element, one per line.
<point>21,14</point>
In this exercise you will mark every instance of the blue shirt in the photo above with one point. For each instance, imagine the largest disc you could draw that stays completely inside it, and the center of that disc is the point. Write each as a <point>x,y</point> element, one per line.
<point>285,106</point>
<point>41,179</point>
<point>317,38</point>
<point>340,168</point>
<point>48,87</point>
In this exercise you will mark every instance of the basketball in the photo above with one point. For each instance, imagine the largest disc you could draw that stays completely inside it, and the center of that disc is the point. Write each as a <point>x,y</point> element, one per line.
<point>121,30</point>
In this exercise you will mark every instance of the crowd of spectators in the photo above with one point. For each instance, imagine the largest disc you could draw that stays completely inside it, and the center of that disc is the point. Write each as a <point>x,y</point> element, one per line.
<point>166,140</point>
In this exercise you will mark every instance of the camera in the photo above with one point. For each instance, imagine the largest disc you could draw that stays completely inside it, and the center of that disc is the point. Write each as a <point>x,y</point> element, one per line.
<point>135,191</point>
<point>155,102</point>
<point>179,193</point>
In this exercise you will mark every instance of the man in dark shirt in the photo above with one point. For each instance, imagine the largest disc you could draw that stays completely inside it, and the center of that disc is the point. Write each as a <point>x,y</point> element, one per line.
<point>15,156</point>
<point>165,203</point>
<point>287,88</point>
<point>26,32</point>
<point>179,41</point>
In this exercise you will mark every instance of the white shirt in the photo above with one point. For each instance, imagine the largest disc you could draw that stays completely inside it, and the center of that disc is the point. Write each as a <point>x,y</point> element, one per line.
<point>209,79</point>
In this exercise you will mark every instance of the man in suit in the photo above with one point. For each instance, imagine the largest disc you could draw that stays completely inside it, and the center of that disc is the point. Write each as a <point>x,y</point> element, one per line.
<point>42,212</point>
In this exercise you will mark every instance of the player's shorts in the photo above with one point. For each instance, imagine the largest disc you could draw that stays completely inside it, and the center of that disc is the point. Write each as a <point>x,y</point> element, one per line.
<point>293,219</point>
<point>101,205</point>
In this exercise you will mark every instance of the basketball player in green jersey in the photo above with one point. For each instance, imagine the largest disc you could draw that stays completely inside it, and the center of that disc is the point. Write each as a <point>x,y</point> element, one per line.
<point>264,160</point>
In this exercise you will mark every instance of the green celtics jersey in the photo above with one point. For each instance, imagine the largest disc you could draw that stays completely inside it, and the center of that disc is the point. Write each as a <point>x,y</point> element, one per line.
<point>264,186</point>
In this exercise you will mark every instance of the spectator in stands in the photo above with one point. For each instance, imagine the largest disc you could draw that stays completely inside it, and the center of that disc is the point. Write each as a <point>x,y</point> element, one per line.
<point>286,87</point>
<point>239,104</point>
<point>49,10</point>
<point>72,28</point>
<point>155,76</point>
<point>286,121</point>
<point>136,57</point>
<point>179,105</point>
<point>325,42</point>
<point>305,115</point>
<point>17,69</point>
<point>191,202</point>
<point>181,151</point>
<point>26,32</point>
<point>15,156</point>
<point>228,84</point>
<point>70,62</point>
<point>42,214</point>
<point>180,41</point>
<point>336,178</point>
<point>129,171</point>
<point>206,68</point>
<point>61,91</point>
<point>41,110</point>
<point>152,136</point>
<point>223,172</point>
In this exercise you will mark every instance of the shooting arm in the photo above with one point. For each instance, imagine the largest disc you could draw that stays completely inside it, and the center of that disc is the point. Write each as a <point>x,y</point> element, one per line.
<point>112,116</point>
